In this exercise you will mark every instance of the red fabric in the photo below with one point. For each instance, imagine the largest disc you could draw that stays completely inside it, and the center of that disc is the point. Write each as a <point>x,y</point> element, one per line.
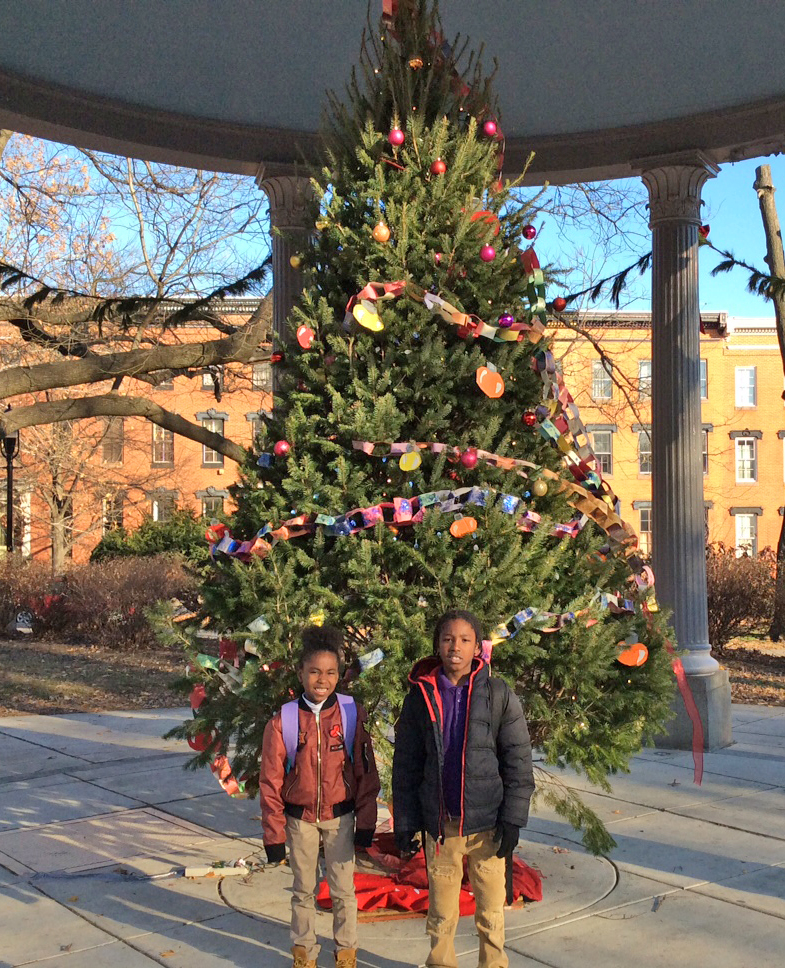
<point>405,887</point>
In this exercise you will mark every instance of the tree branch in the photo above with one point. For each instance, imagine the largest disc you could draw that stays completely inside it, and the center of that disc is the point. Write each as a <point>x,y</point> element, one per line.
<point>113,405</point>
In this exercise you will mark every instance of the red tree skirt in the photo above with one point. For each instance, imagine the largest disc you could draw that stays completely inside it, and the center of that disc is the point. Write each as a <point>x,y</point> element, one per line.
<point>405,886</point>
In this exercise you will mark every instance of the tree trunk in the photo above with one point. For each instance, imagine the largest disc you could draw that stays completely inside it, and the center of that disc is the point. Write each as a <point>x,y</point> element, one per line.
<point>775,258</point>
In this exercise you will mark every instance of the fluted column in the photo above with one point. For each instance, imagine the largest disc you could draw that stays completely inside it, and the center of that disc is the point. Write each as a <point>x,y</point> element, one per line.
<point>674,185</point>
<point>289,197</point>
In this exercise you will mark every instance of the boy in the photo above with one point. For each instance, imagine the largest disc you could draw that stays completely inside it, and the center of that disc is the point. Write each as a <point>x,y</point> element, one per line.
<point>328,792</point>
<point>462,773</point>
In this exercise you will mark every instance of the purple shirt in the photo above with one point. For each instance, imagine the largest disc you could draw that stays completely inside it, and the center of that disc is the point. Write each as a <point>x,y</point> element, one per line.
<point>454,700</point>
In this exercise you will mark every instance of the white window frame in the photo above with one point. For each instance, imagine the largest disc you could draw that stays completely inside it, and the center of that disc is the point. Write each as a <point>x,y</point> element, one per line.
<point>210,457</point>
<point>218,508</point>
<point>641,452</point>
<point>746,384</point>
<point>262,377</point>
<point>704,379</point>
<point>163,443</point>
<point>601,382</point>
<point>604,455</point>
<point>160,501</point>
<point>644,543</point>
<point>705,450</point>
<point>112,508</point>
<point>644,379</point>
<point>746,535</point>
<point>746,464</point>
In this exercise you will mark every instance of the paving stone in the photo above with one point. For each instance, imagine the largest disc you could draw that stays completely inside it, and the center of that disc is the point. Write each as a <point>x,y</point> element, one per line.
<point>29,803</point>
<point>762,890</point>
<point>232,816</point>
<point>109,837</point>
<point>157,782</point>
<point>762,813</point>
<point>34,928</point>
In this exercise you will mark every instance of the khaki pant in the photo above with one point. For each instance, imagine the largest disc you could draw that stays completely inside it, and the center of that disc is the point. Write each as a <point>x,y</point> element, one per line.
<point>486,876</point>
<point>338,838</point>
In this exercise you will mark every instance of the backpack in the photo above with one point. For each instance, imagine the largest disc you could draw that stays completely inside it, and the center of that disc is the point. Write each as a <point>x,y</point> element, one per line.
<point>290,726</point>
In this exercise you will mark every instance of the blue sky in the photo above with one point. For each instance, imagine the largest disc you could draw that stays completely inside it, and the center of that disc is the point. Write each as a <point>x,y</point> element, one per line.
<point>732,213</point>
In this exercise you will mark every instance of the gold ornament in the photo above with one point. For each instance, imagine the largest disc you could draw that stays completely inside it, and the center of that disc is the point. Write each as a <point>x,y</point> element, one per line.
<point>321,224</point>
<point>295,261</point>
<point>381,232</point>
<point>539,488</point>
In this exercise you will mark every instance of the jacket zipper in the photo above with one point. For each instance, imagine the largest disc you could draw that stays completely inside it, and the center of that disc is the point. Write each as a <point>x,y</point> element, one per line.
<point>318,768</point>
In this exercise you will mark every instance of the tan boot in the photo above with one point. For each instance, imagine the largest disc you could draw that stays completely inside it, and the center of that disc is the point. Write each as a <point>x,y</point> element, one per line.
<point>346,958</point>
<point>300,958</point>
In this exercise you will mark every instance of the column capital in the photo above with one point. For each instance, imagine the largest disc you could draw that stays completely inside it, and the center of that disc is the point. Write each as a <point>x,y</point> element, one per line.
<point>674,183</point>
<point>290,198</point>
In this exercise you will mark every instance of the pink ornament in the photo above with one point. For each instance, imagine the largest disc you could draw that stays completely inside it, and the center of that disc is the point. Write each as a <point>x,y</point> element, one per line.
<point>487,253</point>
<point>529,231</point>
<point>437,258</point>
<point>281,448</point>
<point>396,137</point>
<point>469,458</point>
<point>490,128</point>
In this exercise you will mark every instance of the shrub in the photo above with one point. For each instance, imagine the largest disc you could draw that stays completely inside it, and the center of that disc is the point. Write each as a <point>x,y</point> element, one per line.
<point>740,593</point>
<point>183,534</point>
<point>23,584</point>
<point>106,602</point>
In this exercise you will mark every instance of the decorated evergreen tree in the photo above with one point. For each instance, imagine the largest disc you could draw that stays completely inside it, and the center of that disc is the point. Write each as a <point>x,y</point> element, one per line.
<point>423,453</point>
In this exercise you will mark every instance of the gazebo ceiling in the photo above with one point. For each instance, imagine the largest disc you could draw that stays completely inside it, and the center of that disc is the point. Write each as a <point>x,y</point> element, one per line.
<point>593,86</point>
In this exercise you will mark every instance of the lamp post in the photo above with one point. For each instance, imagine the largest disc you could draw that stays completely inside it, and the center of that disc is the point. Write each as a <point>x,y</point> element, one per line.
<point>9,444</point>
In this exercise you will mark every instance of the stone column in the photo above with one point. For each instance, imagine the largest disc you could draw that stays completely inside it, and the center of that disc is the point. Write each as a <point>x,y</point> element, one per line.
<point>289,197</point>
<point>674,184</point>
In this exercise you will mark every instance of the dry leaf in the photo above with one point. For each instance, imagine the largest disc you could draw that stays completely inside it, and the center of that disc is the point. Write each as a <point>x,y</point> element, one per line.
<point>165,954</point>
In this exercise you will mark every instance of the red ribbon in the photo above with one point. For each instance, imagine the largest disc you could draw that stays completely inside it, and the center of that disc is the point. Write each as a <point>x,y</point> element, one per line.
<point>692,712</point>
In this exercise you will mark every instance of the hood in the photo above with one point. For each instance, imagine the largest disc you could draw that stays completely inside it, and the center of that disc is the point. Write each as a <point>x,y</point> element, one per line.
<point>426,670</point>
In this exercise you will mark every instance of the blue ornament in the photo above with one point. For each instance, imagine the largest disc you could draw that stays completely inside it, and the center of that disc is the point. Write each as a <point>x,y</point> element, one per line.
<point>264,460</point>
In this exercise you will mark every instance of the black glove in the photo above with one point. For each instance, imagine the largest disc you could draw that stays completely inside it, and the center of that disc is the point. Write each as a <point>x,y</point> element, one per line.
<point>363,838</point>
<point>507,834</point>
<point>406,841</point>
<point>275,853</point>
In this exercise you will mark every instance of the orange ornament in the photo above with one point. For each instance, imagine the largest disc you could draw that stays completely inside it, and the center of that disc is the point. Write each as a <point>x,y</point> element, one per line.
<point>490,382</point>
<point>305,336</point>
<point>489,218</point>
<point>635,655</point>
<point>463,526</point>
<point>381,232</point>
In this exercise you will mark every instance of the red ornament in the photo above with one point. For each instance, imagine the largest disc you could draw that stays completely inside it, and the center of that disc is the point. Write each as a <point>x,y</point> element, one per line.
<point>704,231</point>
<point>559,304</point>
<point>487,253</point>
<point>469,458</point>
<point>529,418</point>
<point>437,258</point>
<point>281,448</point>
<point>463,332</point>
<point>491,129</point>
<point>529,231</point>
<point>396,137</point>
<point>453,475</point>
<point>438,167</point>
<point>277,357</point>
<point>305,336</point>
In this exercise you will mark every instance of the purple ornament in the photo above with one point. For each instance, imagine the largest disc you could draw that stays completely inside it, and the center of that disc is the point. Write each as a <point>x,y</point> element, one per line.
<point>506,320</point>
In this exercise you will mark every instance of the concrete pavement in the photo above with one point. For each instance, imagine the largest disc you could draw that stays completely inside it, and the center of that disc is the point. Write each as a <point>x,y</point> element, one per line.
<point>98,819</point>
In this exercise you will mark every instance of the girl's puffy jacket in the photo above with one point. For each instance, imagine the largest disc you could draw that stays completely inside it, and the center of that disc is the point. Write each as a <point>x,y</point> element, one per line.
<point>497,769</point>
<point>324,782</point>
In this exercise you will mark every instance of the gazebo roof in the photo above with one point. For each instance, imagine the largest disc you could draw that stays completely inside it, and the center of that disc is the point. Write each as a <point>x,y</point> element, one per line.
<point>593,87</point>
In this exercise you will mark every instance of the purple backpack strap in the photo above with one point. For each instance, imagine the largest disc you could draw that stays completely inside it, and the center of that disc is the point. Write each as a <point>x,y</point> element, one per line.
<point>290,727</point>
<point>348,722</point>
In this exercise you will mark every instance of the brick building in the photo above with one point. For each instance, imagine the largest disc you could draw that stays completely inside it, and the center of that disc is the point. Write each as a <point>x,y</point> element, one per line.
<point>742,419</point>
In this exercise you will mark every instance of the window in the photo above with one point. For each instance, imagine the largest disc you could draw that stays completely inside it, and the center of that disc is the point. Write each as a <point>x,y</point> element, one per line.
<point>112,513</point>
<point>163,446</point>
<point>212,507</point>
<point>704,380</point>
<point>209,456</point>
<point>262,377</point>
<point>644,535</point>
<point>746,460</point>
<point>601,384</point>
<point>746,535</point>
<point>212,377</point>
<point>746,395</point>
<point>644,379</point>
<point>112,443</point>
<point>163,505</point>
<point>603,449</point>
<point>705,445</point>
<point>644,452</point>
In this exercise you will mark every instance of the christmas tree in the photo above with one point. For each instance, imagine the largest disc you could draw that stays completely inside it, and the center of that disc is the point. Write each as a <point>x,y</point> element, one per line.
<point>423,453</point>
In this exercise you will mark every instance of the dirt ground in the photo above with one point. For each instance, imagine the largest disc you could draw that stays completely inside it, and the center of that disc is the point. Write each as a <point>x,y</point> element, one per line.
<point>48,677</point>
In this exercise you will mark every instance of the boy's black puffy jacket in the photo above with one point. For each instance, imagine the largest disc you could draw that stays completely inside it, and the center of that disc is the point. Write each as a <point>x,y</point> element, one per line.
<point>497,772</point>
